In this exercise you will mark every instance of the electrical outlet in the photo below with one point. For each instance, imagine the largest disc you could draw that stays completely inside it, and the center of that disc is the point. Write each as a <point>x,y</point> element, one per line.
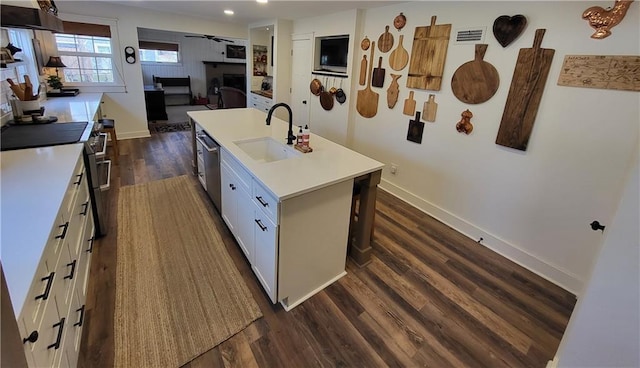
<point>394,169</point>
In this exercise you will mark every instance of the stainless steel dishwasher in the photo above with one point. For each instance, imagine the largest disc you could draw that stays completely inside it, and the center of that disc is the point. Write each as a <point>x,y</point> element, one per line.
<point>208,151</point>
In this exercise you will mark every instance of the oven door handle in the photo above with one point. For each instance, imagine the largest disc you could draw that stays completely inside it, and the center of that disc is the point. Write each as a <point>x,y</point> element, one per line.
<point>210,149</point>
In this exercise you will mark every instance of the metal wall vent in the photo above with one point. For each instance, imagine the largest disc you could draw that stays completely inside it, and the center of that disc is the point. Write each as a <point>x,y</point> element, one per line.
<point>470,35</point>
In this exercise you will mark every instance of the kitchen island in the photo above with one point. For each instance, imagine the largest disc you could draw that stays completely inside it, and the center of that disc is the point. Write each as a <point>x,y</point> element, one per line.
<point>302,200</point>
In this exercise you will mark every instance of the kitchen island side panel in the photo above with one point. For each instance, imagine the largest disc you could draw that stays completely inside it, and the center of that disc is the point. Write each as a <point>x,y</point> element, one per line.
<point>314,230</point>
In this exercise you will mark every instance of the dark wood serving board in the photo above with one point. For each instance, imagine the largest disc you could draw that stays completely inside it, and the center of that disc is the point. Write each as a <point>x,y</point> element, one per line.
<point>475,81</point>
<point>428,54</point>
<point>525,93</point>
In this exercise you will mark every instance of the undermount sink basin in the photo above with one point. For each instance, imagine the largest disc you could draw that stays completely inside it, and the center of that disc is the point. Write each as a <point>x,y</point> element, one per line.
<point>266,149</point>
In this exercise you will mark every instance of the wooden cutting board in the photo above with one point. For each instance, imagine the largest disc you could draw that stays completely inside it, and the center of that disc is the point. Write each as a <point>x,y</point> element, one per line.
<point>367,99</point>
<point>363,70</point>
<point>475,81</point>
<point>409,105</point>
<point>378,74</point>
<point>429,109</point>
<point>393,91</point>
<point>428,54</point>
<point>385,41</point>
<point>525,93</point>
<point>399,57</point>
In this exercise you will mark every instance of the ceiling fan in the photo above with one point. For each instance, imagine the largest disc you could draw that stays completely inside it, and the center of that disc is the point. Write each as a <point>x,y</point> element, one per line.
<point>210,37</point>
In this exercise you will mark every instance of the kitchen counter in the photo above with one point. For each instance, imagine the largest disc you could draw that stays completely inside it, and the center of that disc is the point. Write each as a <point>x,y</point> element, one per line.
<point>267,94</point>
<point>329,163</point>
<point>82,107</point>
<point>33,184</point>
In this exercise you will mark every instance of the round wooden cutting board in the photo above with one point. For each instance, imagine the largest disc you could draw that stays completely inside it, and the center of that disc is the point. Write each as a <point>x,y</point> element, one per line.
<point>475,81</point>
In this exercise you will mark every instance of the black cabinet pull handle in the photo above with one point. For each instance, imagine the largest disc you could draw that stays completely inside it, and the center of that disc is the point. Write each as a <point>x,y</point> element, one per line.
<point>47,289</point>
<point>90,250</point>
<point>79,176</point>
<point>33,337</point>
<point>233,187</point>
<point>262,202</point>
<point>73,270</point>
<point>64,230</point>
<point>56,345</point>
<point>262,227</point>
<point>85,206</point>
<point>81,319</point>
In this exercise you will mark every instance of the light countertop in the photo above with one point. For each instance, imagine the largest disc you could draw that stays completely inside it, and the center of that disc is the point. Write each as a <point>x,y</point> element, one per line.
<point>33,183</point>
<point>329,163</point>
<point>82,107</point>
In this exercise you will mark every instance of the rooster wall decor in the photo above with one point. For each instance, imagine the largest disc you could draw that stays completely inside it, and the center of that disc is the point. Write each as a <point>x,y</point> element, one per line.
<point>603,20</point>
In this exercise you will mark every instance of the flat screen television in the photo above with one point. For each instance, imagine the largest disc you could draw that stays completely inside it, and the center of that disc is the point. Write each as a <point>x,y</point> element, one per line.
<point>333,54</point>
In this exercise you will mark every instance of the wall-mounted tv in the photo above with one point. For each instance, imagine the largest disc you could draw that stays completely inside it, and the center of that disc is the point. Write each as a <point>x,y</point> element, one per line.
<point>332,54</point>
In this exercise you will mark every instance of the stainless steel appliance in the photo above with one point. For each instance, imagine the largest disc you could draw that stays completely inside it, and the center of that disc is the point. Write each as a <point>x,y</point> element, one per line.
<point>208,152</point>
<point>98,169</point>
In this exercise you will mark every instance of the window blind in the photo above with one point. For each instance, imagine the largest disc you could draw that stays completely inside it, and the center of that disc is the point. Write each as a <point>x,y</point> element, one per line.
<point>86,29</point>
<point>151,45</point>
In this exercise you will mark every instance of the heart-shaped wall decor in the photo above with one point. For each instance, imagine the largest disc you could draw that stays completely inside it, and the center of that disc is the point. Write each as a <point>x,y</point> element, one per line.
<point>506,28</point>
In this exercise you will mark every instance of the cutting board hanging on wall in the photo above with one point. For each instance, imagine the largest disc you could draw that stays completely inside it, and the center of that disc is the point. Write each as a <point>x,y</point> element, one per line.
<point>393,91</point>
<point>475,81</point>
<point>399,57</point>
<point>525,93</point>
<point>378,74</point>
<point>367,99</point>
<point>428,54</point>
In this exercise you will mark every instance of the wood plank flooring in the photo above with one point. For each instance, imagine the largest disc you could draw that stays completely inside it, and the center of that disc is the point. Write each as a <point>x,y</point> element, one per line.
<point>431,297</point>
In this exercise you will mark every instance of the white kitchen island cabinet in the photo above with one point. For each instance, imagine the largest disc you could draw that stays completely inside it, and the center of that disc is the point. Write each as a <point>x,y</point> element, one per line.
<point>47,239</point>
<point>290,216</point>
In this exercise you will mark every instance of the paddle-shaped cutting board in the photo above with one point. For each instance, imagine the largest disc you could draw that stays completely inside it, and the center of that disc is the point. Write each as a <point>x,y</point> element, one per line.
<point>409,105</point>
<point>429,109</point>
<point>399,57</point>
<point>525,93</point>
<point>475,81</point>
<point>385,41</point>
<point>428,54</point>
<point>378,74</point>
<point>363,70</point>
<point>367,99</point>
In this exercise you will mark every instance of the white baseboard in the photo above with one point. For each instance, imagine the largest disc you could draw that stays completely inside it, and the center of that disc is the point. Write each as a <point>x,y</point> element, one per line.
<point>289,307</point>
<point>553,363</point>
<point>512,252</point>
<point>132,135</point>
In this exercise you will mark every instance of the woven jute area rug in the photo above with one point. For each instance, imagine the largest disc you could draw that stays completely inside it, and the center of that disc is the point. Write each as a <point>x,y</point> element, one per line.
<point>178,293</point>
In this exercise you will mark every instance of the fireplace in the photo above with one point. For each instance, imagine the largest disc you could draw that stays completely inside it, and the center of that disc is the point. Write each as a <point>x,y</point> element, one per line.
<point>238,81</point>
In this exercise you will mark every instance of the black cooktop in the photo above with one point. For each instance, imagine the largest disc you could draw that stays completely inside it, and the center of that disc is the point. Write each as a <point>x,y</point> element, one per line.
<point>15,137</point>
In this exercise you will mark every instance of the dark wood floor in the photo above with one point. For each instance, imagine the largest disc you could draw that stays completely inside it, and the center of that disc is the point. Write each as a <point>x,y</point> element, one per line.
<point>431,297</point>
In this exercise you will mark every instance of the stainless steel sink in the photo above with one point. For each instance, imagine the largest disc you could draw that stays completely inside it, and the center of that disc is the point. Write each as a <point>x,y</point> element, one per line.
<point>266,149</point>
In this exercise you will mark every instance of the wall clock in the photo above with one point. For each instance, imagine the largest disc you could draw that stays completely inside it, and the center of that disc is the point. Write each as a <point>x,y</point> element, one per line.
<point>130,54</point>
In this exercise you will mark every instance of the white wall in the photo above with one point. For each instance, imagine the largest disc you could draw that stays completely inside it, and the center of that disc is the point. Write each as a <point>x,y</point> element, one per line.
<point>535,206</point>
<point>332,124</point>
<point>604,329</point>
<point>128,108</point>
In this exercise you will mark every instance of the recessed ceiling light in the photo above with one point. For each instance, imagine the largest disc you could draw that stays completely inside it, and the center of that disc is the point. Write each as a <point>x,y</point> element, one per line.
<point>228,12</point>
<point>262,1</point>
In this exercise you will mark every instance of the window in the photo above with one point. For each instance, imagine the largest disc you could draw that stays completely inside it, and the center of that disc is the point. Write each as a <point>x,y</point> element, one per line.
<point>159,52</point>
<point>86,50</point>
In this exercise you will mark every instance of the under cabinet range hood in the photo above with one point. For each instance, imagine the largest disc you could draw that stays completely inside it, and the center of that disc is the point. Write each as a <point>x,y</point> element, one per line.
<point>31,18</point>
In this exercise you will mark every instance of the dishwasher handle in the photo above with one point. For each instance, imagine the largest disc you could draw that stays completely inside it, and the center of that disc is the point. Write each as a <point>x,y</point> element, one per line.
<point>200,138</point>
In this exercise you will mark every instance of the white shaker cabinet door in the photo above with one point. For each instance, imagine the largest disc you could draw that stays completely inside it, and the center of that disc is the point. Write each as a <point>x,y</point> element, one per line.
<point>265,263</point>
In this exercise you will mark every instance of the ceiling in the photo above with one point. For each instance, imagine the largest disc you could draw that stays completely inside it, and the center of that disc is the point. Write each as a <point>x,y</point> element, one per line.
<point>249,11</point>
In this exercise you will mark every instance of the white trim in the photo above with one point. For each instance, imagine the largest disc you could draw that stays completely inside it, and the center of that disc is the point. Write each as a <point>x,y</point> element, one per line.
<point>553,363</point>
<point>312,293</point>
<point>132,135</point>
<point>553,273</point>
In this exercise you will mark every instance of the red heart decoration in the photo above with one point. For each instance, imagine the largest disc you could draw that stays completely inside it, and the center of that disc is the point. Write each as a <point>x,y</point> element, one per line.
<point>506,28</point>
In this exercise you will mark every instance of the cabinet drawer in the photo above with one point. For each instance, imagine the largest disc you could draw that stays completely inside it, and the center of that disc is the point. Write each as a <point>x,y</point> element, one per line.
<point>77,180</point>
<point>266,201</point>
<point>50,335</point>
<point>79,214</point>
<point>243,175</point>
